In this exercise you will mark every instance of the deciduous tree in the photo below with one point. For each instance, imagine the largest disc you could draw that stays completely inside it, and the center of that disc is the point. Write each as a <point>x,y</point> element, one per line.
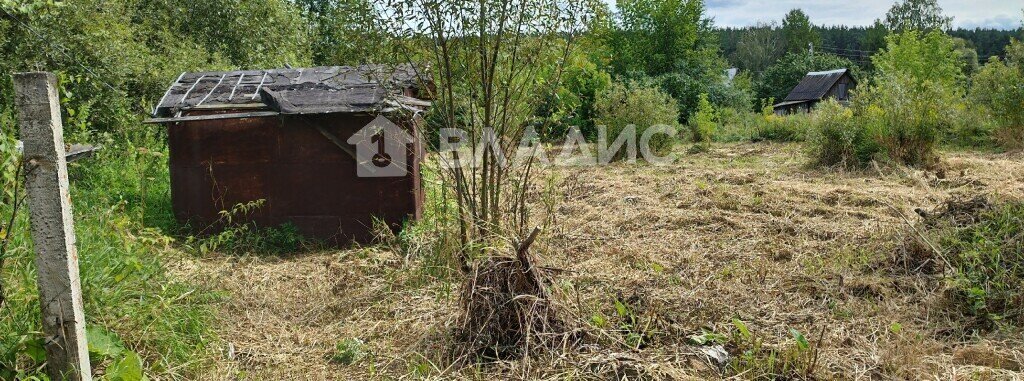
<point>759,47</point>
<point>922,15</point>
<point>797,32</point>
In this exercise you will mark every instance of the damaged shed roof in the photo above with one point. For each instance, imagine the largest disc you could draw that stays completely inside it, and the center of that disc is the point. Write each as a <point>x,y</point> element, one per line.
<point>815,85</point>
<point>317,90</point>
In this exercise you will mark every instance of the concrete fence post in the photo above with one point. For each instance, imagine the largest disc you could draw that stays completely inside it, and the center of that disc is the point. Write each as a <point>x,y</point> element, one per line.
<point>53,232</point>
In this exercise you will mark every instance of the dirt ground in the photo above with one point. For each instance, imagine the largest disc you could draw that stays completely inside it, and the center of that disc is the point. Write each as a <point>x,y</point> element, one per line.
<point>745,231</point>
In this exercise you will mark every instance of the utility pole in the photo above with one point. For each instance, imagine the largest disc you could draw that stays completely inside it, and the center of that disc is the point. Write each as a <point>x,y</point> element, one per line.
<point>53,231</point>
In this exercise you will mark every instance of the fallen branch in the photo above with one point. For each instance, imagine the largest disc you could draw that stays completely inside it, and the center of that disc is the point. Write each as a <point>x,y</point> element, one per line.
<point>523,254</point>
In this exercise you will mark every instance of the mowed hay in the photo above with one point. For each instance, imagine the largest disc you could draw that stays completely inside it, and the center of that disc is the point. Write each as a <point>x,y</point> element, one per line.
<point>745,231</point>
<point>507,310</point>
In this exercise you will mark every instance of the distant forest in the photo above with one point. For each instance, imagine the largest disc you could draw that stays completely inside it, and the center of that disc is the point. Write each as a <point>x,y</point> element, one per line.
<point>859,43</point>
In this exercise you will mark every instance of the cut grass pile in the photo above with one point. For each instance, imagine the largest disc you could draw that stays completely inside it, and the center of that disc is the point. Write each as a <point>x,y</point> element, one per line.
<point>658,264</point>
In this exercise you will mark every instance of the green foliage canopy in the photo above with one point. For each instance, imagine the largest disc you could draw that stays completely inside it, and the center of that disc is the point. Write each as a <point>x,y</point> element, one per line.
<point>915,97</point>
<point>921,57</point>
<point>640,105</point>
<point>659,36</point>
<point>921,15</point>
<point>797,32</point>
<point>115,58</point>
<point>999,88</point>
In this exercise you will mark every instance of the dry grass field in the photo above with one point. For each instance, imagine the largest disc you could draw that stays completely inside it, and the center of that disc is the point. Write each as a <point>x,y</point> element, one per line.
<point>651,262</point>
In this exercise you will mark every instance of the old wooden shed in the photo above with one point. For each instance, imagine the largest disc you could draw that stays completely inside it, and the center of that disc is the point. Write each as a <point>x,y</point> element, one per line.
<point>816,87</point>
<point>308,144</point>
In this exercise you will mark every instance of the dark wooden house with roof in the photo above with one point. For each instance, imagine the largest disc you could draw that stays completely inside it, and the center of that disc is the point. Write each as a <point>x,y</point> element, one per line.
<point>816,87</point>
<point>285,136</point>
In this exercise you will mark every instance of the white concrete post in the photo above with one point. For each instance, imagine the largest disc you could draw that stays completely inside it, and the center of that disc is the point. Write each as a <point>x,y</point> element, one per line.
<point>53,232</point>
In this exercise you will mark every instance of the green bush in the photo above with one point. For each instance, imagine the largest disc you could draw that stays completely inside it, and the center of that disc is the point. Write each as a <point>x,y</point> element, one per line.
<point>838,139</point>
<point>975,128</point>
<point>704,123</point>
<point>572,105</point>
<point>625,105</point>
<point>913,101</point>
<point>908,119</point>
<point>737,125</point>
<point>764,126</point>
<point>999,90</point>
<point>789,128</point>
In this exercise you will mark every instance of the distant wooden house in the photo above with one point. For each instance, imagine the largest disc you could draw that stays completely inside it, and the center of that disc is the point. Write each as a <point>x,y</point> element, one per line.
<point>816,87</point>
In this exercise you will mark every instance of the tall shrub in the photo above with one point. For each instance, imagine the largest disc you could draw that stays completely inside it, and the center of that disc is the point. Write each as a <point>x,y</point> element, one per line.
<point>673,41</point>
<point>572,104</point>
<point>494,62</point>
<point>638,105</point>
<point>705,122</point>
<point>915,97</point>
<point>999,90</point>
<point>837,139</point>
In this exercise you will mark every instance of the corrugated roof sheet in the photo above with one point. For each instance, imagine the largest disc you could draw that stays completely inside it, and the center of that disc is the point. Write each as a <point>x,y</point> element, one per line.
<point>365,88</point>
<point>815,85</point>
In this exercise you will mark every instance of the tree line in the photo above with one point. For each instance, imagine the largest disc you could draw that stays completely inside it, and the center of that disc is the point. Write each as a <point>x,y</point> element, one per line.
<point>860,42</point>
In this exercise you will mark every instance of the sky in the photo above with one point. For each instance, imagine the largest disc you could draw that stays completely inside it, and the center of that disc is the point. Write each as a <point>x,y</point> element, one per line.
<point>1002,14</point>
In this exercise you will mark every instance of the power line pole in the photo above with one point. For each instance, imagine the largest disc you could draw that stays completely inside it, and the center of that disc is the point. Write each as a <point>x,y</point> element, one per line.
<point>53,230</point>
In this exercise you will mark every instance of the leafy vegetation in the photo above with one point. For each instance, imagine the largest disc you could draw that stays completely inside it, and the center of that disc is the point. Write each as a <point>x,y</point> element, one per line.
<point>672,41</point>
<point>116,58</point>
<point>573,104</point>
<point>236,234</point>
<point>704,124</point>
<point>165,322</point>
<point>756,360</point>
<point>637,106</point>
<point>987,254</point>
<point>997,89</point>
<point>915,97</point>
<point>348,351</point>
<point>797,32</point>
<point>776,128</point>
<point>840,140</point>
<point>920,15</point>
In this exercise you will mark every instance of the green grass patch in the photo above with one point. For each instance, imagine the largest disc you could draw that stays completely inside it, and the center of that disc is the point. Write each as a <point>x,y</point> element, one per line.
<point>988,256</point>
<point>122,210</point>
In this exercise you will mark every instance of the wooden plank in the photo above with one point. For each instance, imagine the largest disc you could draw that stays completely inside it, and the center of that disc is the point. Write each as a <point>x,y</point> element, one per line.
<point>211,90</point>
<point>229,106</point>
<point>192,118</point>
<point>53,232</point>
<point>167,93</point>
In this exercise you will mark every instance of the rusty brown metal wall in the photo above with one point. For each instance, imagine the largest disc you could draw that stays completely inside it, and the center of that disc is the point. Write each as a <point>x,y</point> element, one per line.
<point>303,177</point>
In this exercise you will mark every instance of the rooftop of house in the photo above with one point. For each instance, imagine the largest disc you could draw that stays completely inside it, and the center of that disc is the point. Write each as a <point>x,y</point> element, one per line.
<point>815,85</point>
<point>317,90</point>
